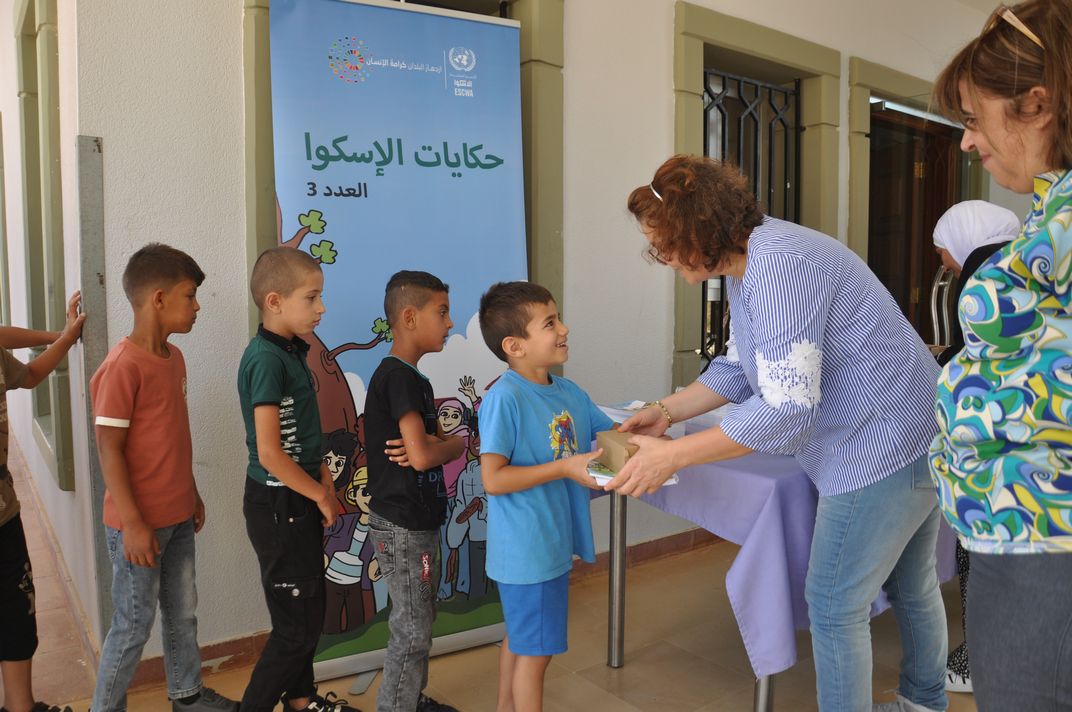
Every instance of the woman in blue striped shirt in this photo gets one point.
(824, 367)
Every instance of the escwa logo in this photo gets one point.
(462, 59)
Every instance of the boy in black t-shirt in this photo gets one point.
(408, 495)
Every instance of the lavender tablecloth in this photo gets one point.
(766, 504)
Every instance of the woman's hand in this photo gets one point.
(649, 467)
(648, 421)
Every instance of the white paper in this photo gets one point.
(602, 475)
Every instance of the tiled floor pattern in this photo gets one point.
(61, 670)
(683, 651)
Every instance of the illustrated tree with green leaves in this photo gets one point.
(335, 401)
(380, 328)
(311, 222)
(324, 252)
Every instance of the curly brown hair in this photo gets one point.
(1004, 62)
(698, 210)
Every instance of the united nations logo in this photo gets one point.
(462, 59)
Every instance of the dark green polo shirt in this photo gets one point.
(273, 371)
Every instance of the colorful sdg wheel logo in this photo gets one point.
(348, 58)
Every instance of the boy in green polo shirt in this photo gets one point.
(290, 496)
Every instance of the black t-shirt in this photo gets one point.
(407, 497)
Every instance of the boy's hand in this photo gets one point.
(328, 507)
(73, 328)
(199, 514)
(458, 445)
(648, 421)
(396, 452)
(577, 468)
(140, 546)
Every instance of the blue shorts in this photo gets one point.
(536, 615)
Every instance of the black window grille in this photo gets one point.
(755, 125)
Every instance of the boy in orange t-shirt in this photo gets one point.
(151, 508)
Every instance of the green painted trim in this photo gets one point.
(37, 50)
(543, 144)
(262, 228)
(978, 180)
(42, 434)
(820, 68)
(542, 22)
(819, 164)
(726, 31)
(5, 279)
(906, 88)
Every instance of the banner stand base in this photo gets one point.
(363, 682)
(372, 661)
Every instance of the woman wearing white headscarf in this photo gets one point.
(966, 236)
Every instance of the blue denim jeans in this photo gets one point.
(880, 536)
(135, 592)
(410, 565)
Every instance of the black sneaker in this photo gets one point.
(208, 701)
(328, 703)
(42, 707)
(427, 704)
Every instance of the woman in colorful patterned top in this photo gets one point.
(965, 237)
(1002, 460)
(823, 366)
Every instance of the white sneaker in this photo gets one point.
(901, 704)
(955, 682)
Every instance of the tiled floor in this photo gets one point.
(61, 670)
(683, 651)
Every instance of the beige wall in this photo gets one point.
(162, 84)
(619, 125)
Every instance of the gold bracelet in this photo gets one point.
(663, 408)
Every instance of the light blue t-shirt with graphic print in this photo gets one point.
(533, 534)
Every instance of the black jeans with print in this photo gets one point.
(285, 530)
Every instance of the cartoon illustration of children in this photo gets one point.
(349, 601)
(467, 525)
(456, 418)
(341, 450)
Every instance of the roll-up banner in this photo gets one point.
(397, 134)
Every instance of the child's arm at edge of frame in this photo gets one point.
(500, 477)
(140, 546)
(40, 367)
(15, 337)
(272, 458)
(423, 450)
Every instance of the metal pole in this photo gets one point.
(764, 700)
(616, 620)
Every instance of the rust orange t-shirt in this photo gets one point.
(146, 394)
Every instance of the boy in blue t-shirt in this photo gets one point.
(535, 430)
